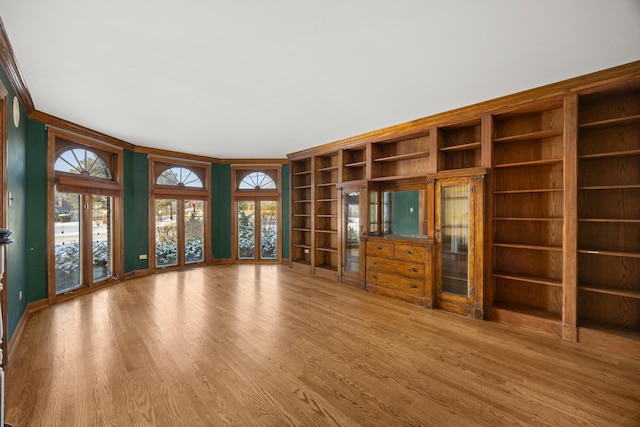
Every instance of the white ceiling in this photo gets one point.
(260, 79)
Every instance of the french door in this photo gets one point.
(257, 223)
(179, 232)
(83, 235)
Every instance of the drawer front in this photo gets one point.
(379, 249)
(413, 270)
(410, 252)
(396, 283)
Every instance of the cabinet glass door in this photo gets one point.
(454, 250)
(352, 235)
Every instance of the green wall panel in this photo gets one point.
(36, 214)
(285, 211)
(16, 264)
(220, 211)
(136, 210)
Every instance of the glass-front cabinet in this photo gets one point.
(354, 220)
(458, 236)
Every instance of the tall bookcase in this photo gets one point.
(326, 168)
(301, 212)
(528, 216)
(609, 212)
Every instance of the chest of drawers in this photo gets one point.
(400, 267)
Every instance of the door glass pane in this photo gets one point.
(193, 231)
(352, 247)
(166, 232)
(246, 230)
(101, 237)
(455, 239)
(67, 241)
(268, 229)
(373, 212)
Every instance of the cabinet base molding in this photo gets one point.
(548, 325)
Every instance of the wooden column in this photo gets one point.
(570, 223)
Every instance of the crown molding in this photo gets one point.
(11, 69)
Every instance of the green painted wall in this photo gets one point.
(220, 211)
(285, 211)
(36, 214)
(405, 221)
(16, 264)
(136, 210)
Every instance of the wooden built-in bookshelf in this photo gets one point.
(609, 211)
(558, 242)
(528, 213)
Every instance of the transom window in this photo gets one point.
(257, 181)
(81, 161)
(180, 177)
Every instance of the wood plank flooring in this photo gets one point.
(264, 345)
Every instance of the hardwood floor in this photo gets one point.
(264, 345)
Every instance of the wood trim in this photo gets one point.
(11, 69)
(4, 301)
(570, 223)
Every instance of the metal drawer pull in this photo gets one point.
(413, 270)
(408, 252)
(375, 276)
(414, 286)
(374, 262)
(379, 248)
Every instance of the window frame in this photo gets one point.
(58, 141)
(159, 164)
(238, 172)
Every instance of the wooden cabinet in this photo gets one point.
(353, 225)
(400, 267)
(459, 238)
(301, 212)
(609, 213)
(552, 245)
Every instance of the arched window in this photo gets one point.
(257, 181)
(85, 213)
(179, 211)
(81, 161)
(180, 177)
(257, 211)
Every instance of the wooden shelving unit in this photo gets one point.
(528, 216)
(354, 164)
(554, 205)
(459, 146)
(609, 212)
(326, 170)
(301, 212)
(400, 158)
